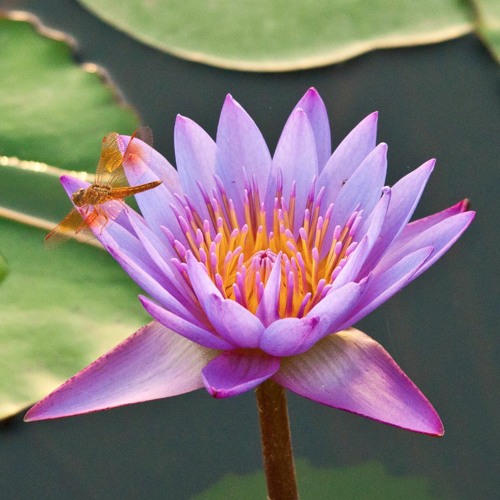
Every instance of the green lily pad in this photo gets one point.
(489, 24)
(281, 36)
(369, 481)
(4, 268)
(53, 110)
(59, 308)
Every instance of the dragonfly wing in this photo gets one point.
(108, 212)
(110, 170)
(110, 167)
(72, 224)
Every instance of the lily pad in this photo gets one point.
(281, 36)
(4, 268)
(488, 12)
(60, 308)
(53, 110)
(369, 481)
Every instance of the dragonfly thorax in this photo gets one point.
(93, 195)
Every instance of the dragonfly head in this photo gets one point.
(78, 197)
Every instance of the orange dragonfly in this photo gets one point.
(110, 185)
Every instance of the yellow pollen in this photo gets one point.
(239, 256)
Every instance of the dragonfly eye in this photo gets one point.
(77, 197)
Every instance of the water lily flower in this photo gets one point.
(256, 267)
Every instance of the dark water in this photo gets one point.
(436, 101)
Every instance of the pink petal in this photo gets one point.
(267, 310)
(190, 330)
(155, 203)
(236, 324)
(150, 281)
(202, 285)
(233, 322)
(417, 227)
(162, 256)
(286, 336)
(352, 372)
(363, 189)
(240, 146)
(195, 153)
(441, 237)
(354, 262)
(405, 196)
(371, 228)
(235, 372)
(157, 164)
(296, 158)
(383, 285)
(314, 107)
(292, 336)
(348, 157)
(151, 364)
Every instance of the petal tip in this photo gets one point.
(464, 205)
(312, 95)
(373, 117)
(229, 100)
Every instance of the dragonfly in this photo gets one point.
(103, 201)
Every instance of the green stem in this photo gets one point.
(276, 442)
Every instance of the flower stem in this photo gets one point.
(276, 442)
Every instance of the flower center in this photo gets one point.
(239, 252)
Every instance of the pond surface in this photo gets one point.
(436, 101)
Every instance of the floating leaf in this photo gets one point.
(368, 481)
(53, 110)
(489, 24)
(59, 309)
(4, 268)
(281, 36)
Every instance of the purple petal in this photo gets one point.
(233, 322)
(286, 336)
(419, 226)
(404, 199)
(354, 262)
(155, 203)
(150, 281)
(202, 285)
(240, 145)
(338, 305)
(348, 157)
(230, 320)
(314, 107)
(383, 285)
(191, 331)
(195, 153)
(235, 372)
(72, 184)
(151, 364)
(292, 336)
(297, 160)
(162, 256)
(156, 163)
(363, 189)
(371, 230)
(441, 237)
(267, 310)
(352, 372)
